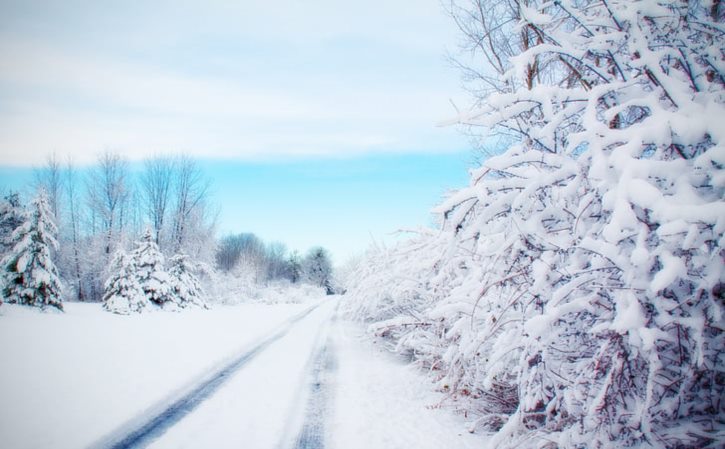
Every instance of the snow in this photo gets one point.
(79, 375)
(383, 402)
(252, 410)
(86, 374)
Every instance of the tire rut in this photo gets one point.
(312, 434)
(151, 425)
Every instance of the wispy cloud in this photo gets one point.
(249, 80)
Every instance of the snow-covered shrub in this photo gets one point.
(575, 290)
(185, 287)
(29, 275)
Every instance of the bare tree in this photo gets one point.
(107, 196)
(156, 184)
(50, 178)
(191, 192)
(73, 228)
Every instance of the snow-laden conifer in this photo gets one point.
(138, 279)
(573, 297)
(151, 272)
(123, 293)
(185, 287)
(12, 215)
(29, 275)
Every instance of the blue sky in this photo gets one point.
(318, 106)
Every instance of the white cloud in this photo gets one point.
(72, 97)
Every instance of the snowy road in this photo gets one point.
(151, 425)
(302, 377)
(257, 406)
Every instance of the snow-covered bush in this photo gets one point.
(574, 295)
(29, 275)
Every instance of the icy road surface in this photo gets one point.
(248, 376)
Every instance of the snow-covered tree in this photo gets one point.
(150, 271)
(11, 216)
(185, 287)
(573, 297)
(123, 293)
(29, 275)
(139, 279)
(294, 267)
(317, 268)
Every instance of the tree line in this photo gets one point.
(102, 208)
(91, 216)
(245, 252)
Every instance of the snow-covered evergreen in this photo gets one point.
(123, 293)
(573, 297)
(12, 215)
(140, 281)
(150, 272)
(185, 287)
(29, 275)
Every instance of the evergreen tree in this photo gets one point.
(185, 287)
(11, 216)
(150, 272)
(30, 276)
(139, 280)
(123, 294)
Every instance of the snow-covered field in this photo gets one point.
(70, 380)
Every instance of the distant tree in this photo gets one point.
(228, 252)
(185, 287)
(294, 267)
(245, 248)
(317, 268)
(30, 276)
(276, 261)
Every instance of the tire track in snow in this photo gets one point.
(312, 433)
(141, 431)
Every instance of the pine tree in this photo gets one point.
(185, 287)
(150, 272)
(30, 276)
(123, 294)
(139, 280)
(12, 215)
